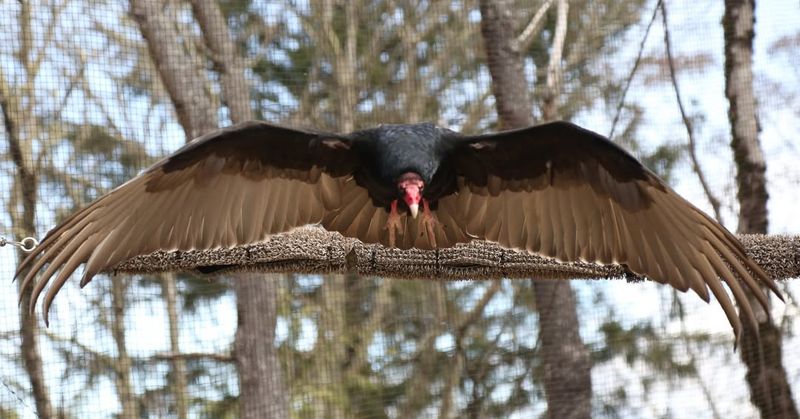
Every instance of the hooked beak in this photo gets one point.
(414, 208)
(411, 184)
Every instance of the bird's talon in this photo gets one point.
(393, 224)
(429, 221)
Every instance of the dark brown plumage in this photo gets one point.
(554, 189)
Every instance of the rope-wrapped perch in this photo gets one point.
(312, 250)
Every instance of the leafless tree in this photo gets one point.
(766, 377)
(565, 359)
(260, 375)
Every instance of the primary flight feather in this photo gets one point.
(554, 189)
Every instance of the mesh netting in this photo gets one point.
(94, 92)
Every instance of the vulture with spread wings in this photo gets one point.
(555, 189)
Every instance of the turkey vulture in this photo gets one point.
(554, 189)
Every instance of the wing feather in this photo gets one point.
(232, 187)
(584, 198)
(567, 220)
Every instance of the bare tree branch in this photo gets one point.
(635, 67)
(457, 364)
(373, 324)
(475, 112)
(554, 66)
(712, 199)
(194, 356)
(423, 373)
(526, 37)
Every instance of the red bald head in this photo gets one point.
(411, 184)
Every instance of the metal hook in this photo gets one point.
(26, 245)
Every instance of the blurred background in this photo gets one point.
(93, 91)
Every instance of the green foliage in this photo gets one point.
(197, 289)
(585, 75)
(663, 159)
(227, 408)
(8, 413)
(643, 347)
(394, 73)
(92, 150)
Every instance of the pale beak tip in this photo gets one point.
(414, 208)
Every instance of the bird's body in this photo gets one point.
(392, 150)
(554, 189)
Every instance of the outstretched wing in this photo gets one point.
(565, 192)
(231, 187)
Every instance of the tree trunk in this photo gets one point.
(567, 368)
(24, 226)
(170, 294)
(181, 73)
(766, 377)
(262, 392)
(19, 116)
(229, 65)
(330, 352)
(512, 98)
(122, 363)
(565, 359)
(333, 337)
(345, 61)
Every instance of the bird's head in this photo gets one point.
(410, 186)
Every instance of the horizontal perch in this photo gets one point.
(313, 250)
